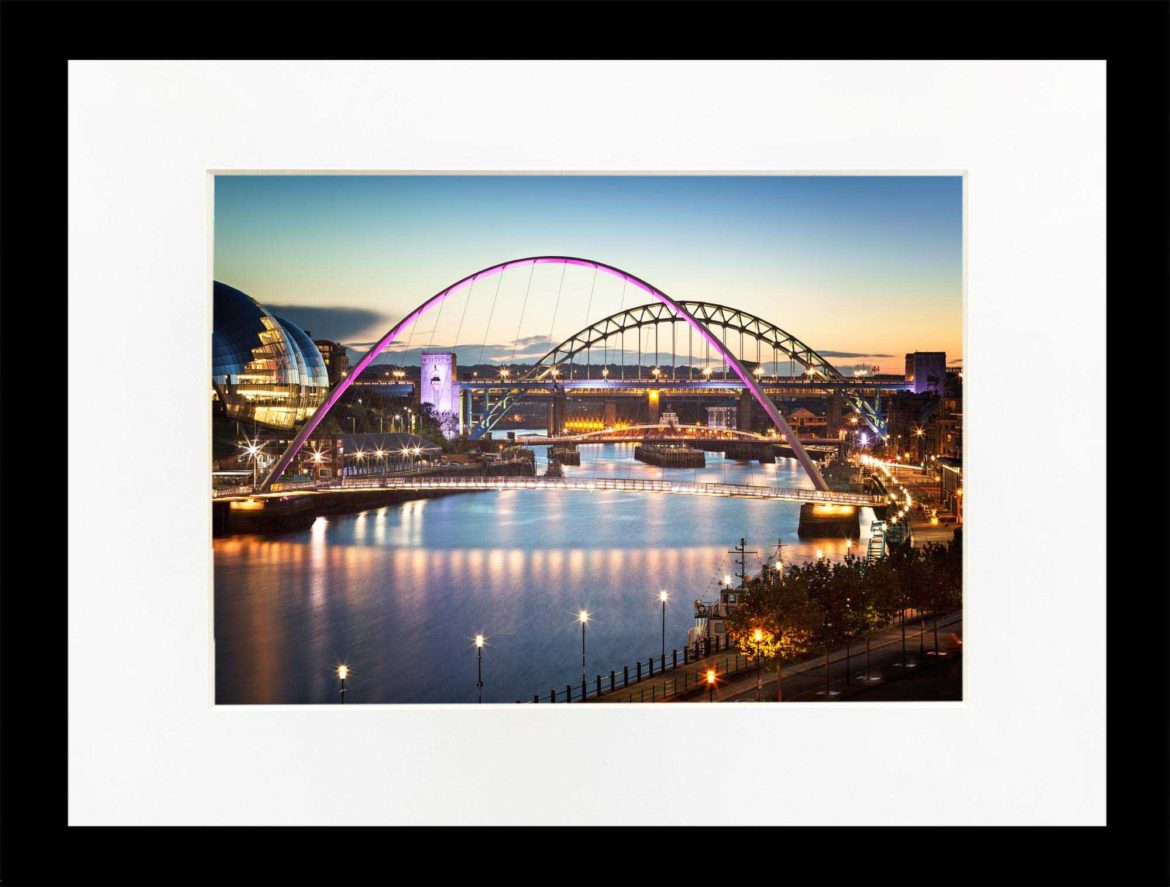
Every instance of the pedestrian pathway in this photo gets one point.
(736, 673)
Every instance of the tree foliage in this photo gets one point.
(821, 603)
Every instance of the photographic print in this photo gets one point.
(547, 439)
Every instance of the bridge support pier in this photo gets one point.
(609, 416)
(836, 405)
(829, 521)
(466, 419)
(743, 414)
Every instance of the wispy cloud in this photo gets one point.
(851, 354)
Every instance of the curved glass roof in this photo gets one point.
(263, 367)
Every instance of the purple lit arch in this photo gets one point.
(766, 402)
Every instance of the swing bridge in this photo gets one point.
(740, 344)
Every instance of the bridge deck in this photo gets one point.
(633, 485)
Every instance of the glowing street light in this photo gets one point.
(342, 674)
(664, 597)
(710, 685)
(479, 665)
(758, 637)
(583, 617)
(504, 373)
(253, 449)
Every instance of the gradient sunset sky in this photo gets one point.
(862, 268)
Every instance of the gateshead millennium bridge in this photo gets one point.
(569, 366)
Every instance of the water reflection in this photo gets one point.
(398, 593)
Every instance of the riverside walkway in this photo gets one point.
(803, 680)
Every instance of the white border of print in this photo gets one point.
(1027, 746)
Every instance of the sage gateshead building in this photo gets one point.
(264, 369)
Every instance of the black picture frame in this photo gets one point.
(37, 846)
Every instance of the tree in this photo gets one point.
(828, 591)
(779, 606)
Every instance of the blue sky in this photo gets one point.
(850, 264)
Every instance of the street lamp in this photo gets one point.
(605, 372)
(664, 597)
(758, 636)
(710, 685)
(342, 673)
(583, 617)
(479, 665)
(252, 449)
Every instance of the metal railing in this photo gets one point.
(670, 677)
(657, 677)
(522, 482)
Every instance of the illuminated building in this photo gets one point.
(336, 359)
(264, 369)
(806, 423)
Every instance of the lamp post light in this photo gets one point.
(664, 597)
(583, 617)
(342, 673)
(479, 665)
(758, 637)
(710, 685)
(253, 449)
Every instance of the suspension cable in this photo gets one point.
(556, 307)
(491, 313)
(588, 309)
(523, 308)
